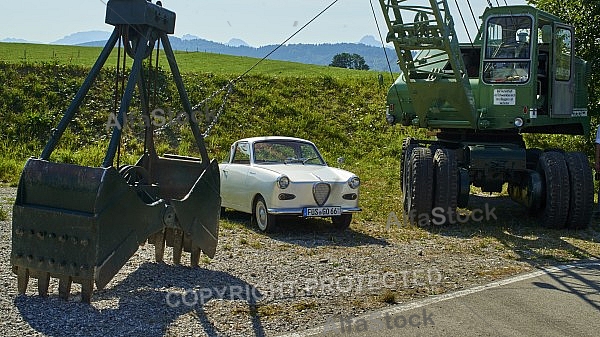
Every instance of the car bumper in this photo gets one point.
(299, 211)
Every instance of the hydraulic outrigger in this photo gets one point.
(81, 224)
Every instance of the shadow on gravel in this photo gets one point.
(521, 233)
(149, 301)
(308, 233)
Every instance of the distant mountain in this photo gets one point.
(83, 37)
(320, 54)
(370, 40)
(13, 40)
(190, 37)
(237, 43)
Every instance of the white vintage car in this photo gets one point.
(272, 176)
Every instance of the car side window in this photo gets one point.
(242, 154)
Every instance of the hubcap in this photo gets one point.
(261, 215)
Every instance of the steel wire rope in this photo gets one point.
(464, 23)
(473, 14)
(231, 83)
(387, 59)
(229, 86)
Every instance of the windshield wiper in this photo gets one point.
(305, 160)
(292, 160)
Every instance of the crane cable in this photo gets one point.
(464, 22)
(228, 88)
(473, 14)
(386, 54)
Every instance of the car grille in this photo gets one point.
(321, 193)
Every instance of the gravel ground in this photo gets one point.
(257, 285)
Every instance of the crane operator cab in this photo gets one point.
(528, 62)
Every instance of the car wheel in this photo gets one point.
(342, 222)
(263, 219)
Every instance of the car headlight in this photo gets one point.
(354, 182)
(283, 182)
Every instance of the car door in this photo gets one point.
(234, 176)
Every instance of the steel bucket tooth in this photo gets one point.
(199, 211)
(194, 193)
(78, 224)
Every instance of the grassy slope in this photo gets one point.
(340, 110)
(188, 61)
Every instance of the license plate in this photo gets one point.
(322, 211)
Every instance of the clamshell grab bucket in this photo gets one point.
(77, 223)
(194, 194)
(82, 224)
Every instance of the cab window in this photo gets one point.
(508, 49)
(563, 43)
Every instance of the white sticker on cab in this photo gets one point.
(505, 96)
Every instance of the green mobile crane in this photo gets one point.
(519, 75)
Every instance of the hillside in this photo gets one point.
(319, 54)
(341, 110)
(343, 115)
(17, 53)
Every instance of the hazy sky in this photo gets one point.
(258, 22)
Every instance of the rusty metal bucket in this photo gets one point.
(81, 224)
(196, 203)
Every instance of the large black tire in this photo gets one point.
(265, 221)
(408, 144)
(533, 157)
(581, 181)
(419, 189)
(555, 204)
(445, 179)
(342, 222)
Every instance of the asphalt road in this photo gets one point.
(557, 301)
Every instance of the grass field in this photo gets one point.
(197, 62)
(341, 110)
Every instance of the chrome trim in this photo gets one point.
(298, 211)
(321, 192)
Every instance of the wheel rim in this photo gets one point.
(261, 215)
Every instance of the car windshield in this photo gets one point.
(286, 152)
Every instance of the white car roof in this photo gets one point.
(265, 138)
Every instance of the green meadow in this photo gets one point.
(341, 110)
